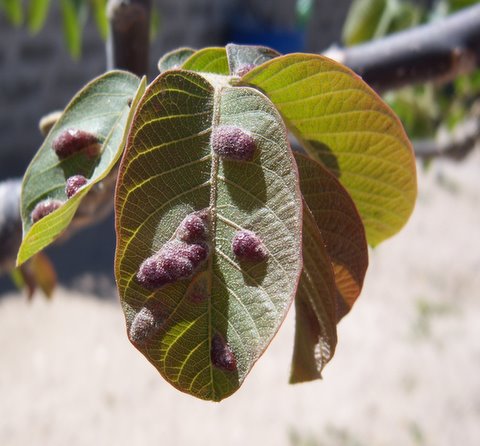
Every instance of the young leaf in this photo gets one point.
(204, 325)
(37, 13)
(242, 58)
(341, 228)
(100, 109)
(315, 315)
(174, 59)
(344, 124)
(209, 60)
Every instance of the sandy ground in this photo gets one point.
(406, 371)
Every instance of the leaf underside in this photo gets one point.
(168, 171)
(315, 313)
(342, 123)
(341, 226)
(174, 59)
(100, 108)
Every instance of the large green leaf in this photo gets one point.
(208, 60)
(315, 313)
(341, 228)
(102, 109)
(345, 125)
(170, 170)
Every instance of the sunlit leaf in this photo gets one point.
(174, 59)
(37, 13)
(101, 109)
(315, 314)
(341, 228)
(204, 332)
(208, 60)
(344, 124)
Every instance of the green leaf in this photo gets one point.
(37, 13)
(100, 14)
(174, 59)
(72, 31)
(44, 273)
(341, 227)
(170, 170)
(344, 124)
(242, 58)
(13, 11)
(100, 108)
(362, 21)
(315, 315)
(208, 60)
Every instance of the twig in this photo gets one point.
(438, 52)
(129, 37)
(456, 145)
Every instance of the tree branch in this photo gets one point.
(438, 52)
(129, 38)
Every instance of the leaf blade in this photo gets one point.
(46, 175)
(341, 227)
(208, 60)
(315, 313)
(343, 123)
(188, 177)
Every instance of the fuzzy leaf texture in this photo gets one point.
(207, 166)
(101, 109)
(342, 123)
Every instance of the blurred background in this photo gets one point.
(408, 360)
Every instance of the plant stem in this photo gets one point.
(129, 37)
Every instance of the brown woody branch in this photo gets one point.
(129, 38)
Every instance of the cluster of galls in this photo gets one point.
(66, 144)
(179, 258)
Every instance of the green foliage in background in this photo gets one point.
(427, 108)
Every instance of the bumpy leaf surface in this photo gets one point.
(341, 226)
(101, 109)
(245, 57)
(204, 332)
(342, 123)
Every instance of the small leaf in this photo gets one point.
(344, 124)
(101, 109)
(37, 13)
(208, 60)
(13, 11)
(72, 31)
(204, 325)
(315, 326)
(174, 59)
(341, 228)
(43, 273)
(242, 58)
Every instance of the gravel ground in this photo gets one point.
(406, 371)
